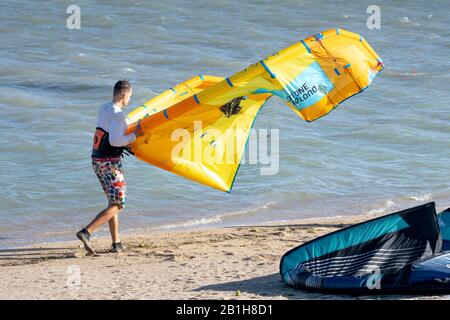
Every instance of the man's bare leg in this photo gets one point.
(103, 217)
(109, 215)
(114, 228)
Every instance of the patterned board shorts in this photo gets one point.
(110, 174)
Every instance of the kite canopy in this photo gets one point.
(444, 225)
(405, 251)
(199, 129)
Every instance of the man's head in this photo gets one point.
(122, 93)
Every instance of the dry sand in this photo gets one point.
(221, 263)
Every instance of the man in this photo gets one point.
(109, 142)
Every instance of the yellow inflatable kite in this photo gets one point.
(199, 128)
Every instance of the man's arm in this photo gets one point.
(117, 137)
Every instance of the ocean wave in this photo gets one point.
(406, 20)
(422, 197)
(217, 218)
(387, 205)
(434, 36)
(400, 203)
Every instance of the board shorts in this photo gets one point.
(110, 175)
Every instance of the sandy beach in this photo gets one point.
(220, 263)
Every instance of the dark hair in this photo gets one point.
(121, 87)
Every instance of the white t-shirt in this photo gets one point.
(112, 119)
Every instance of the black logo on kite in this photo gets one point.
(232, 107)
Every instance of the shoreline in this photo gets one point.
(103, 232)
(239, 262)
(187, 225)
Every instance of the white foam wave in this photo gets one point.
(434, 36)
(423, 197)
(217, 218)
(405, 20)
(388, 204)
